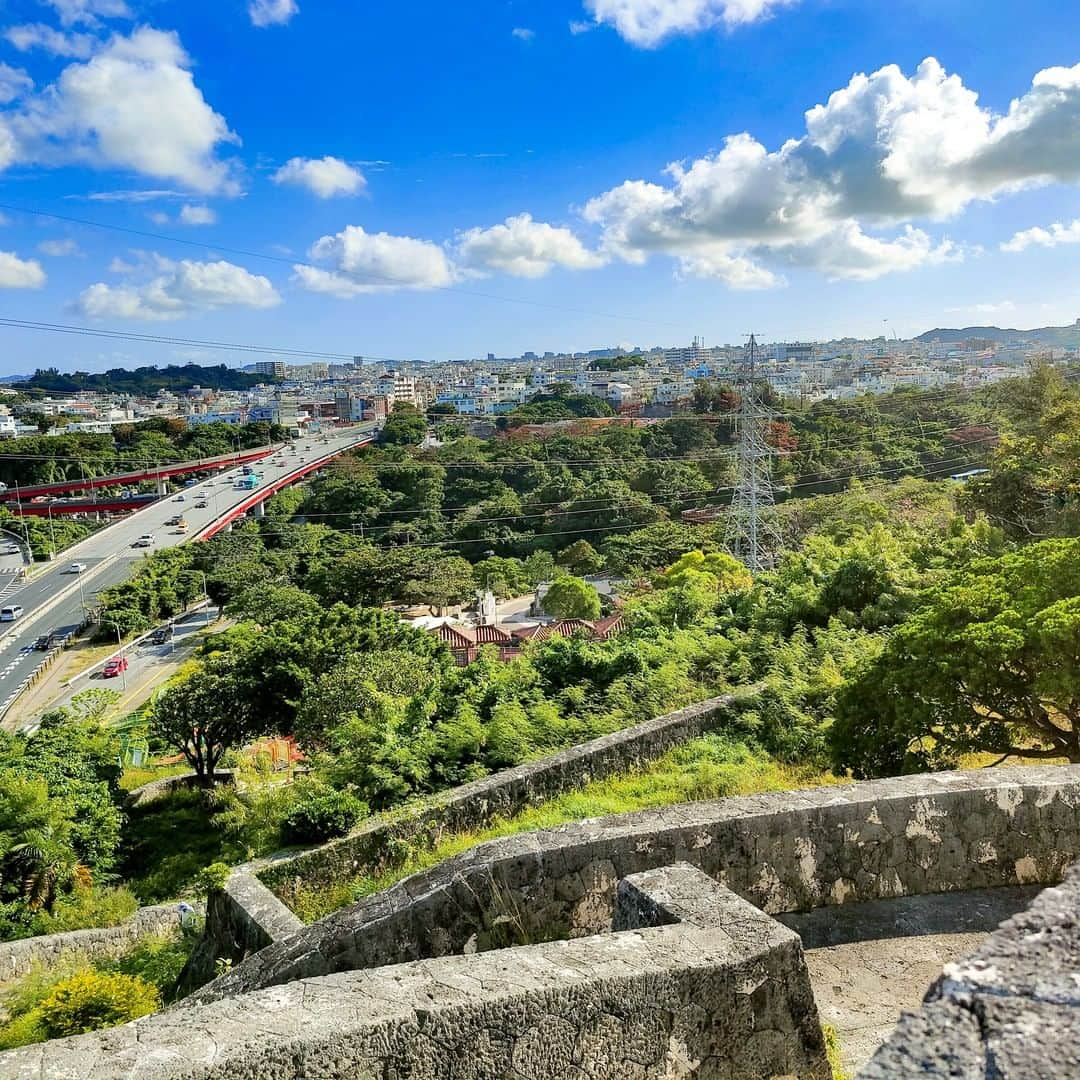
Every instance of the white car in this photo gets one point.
(146, 540)
(77, 568)
(10, 614)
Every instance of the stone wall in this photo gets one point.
(719, 992)
(18, 957)
(159, 789)
(501, 794)
(783, 852)
(241, 919)
(1010, 1009)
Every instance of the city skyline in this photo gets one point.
(529, 178)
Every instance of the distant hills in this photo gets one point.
(1060, 336)
(142, 380)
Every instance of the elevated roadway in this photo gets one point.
(57, 599)
(155, 473)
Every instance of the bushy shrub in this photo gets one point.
(22, 1031)
(95, 999)
(85, 908)
(213, 877)
(319, 813)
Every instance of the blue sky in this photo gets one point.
(435, 181)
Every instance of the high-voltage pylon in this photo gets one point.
(753, 533)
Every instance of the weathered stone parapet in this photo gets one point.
(18, 957)
(1011, 1009)
(501, 794)
(651, 1004)
(159, 789)
(783, 852)
(242, 918)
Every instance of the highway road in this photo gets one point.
(56, 599)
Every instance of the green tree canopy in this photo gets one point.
(990, 662)
(572, 598)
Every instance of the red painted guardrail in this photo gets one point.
(280, 484)
(153, 472)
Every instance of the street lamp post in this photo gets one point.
(123, 669)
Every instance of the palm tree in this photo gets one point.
(48, 865)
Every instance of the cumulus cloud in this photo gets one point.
(59, 248)
(324, 177)
(523, 33)
(525, 248)
(51, 40)
(272, 12)
(197, 215)
(89, 11)
(14, 83)
(134, 105)
(1058, 233)
(16, 273)
(178, 290)
(884, 152)
(647, 23)
(361, 262)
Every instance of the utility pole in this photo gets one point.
(753, 533)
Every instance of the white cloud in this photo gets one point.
(178, 290)
(361, 262)
(14, 83)
(137, 196)
(580, 26)
(1004, 307)
(882, 153)
(525, 248)
(59, 248)
(1039, 237)
(89, 11)
(134, 105)
(647, 23)
(16, 273)
(197, 215)
(272, 12)
(40, 36)
(324, 177)
(523, 33)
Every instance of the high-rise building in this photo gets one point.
(274, 368)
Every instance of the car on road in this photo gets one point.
(202, 504)
(162, 635)
(43, 643)
(146, 540)
(10, 614)
(180, 498)
(12, 549)
(114, 667)
(77, 568)
(60, 637)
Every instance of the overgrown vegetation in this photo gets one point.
(712, 767)
(74, 995)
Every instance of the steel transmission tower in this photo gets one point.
(753, 533)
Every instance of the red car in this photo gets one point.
(114, 667)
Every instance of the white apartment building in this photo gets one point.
(398, 387)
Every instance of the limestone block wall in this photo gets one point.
(1010, 1009)
(18, 957)
(783, 852)
(723, 995)
(504, 793)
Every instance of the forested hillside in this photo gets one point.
(913, 622)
